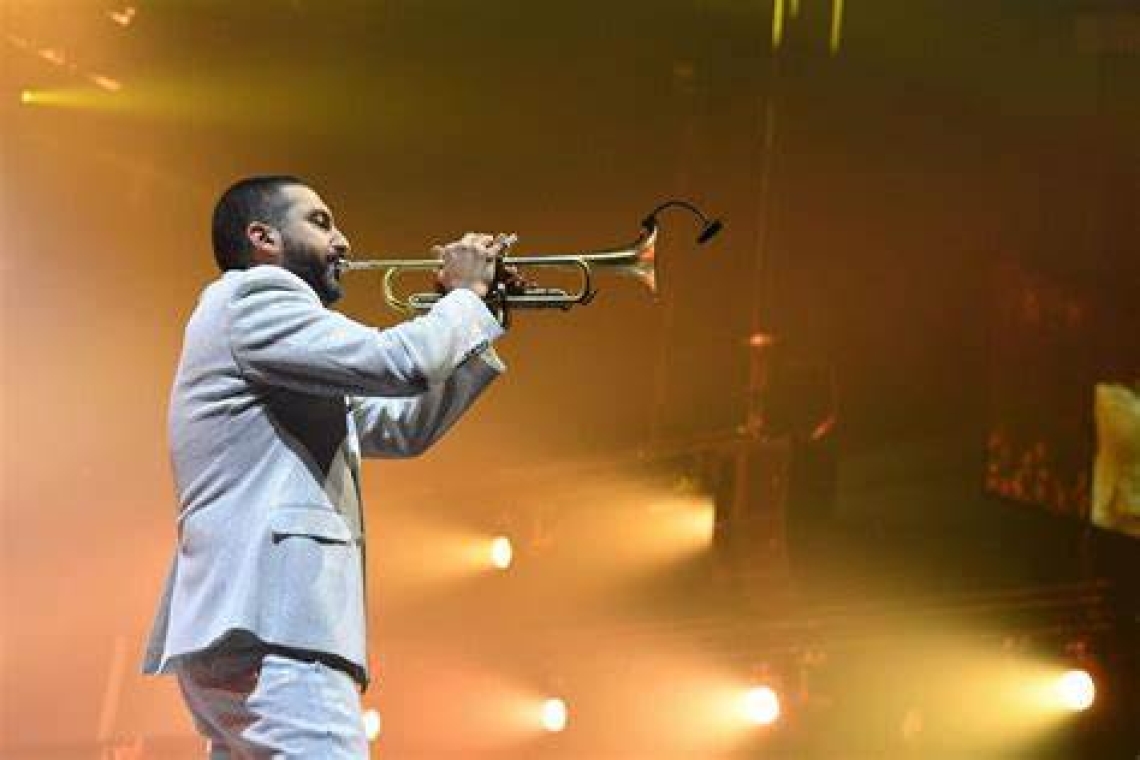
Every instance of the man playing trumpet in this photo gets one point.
(275, 401)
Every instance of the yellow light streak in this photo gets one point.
(777, 23)
(836, 25)
(79, 98)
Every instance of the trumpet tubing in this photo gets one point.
(636, 260)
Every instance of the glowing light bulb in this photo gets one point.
(761, 705)
(1075, 690)
(554, 715)
(501, 552)
(371, 724)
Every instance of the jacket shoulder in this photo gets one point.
(268, 277)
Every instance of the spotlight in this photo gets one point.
(761, 705)
(106, 83)
(54, 56)
(761, 340)
(123, 17)
(554, 715)
(1075, 690)
(501, 552)
(371, 724)
(27, 97)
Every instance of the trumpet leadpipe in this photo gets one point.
(364, 265)
(501, 244)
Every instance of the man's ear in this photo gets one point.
(266, 242)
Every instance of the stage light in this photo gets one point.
(1075, 690)
(501, 552)
(777, 23)
(554, 715)
(761, 340)
(54, 56)
(87, 98)
(106, 83)
(761, 705)
(678, 526)
(836, 36)
(123, 17)
(699, 523)
(372, 724)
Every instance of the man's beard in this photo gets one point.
(320, 272)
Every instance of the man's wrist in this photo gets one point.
(478, 288)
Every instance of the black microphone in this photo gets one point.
(709, 227)
(709, 232)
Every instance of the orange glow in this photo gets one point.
(431, 553)
(760, 340)
(679, 526)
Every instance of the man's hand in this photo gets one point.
(468, 263)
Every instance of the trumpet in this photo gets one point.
(510, 290)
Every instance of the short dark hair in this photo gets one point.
(253, 199)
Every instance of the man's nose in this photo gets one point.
(340, 243)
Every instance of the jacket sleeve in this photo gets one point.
(280, 334)
(405, 427)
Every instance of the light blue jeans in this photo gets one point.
(267, 707)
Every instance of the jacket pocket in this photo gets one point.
(310, 581)
(319, 523)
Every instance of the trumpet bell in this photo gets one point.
(644, 267)
(638, 261)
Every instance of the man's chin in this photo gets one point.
(328, 290)
(330, 293)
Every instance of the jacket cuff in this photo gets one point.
(477, 326)
(492, 360)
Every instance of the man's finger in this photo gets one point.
(503, 241)
(476, 239)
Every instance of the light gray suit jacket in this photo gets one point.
(275, 401)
